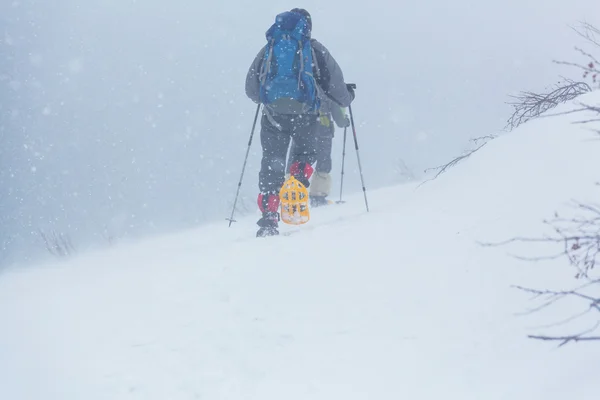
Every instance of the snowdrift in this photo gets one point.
(402, 302)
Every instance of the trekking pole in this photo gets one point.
(343, 158)
(230, 219)
(353, 86)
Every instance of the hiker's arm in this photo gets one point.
(252, 78)
(339, 116)
(336, 89)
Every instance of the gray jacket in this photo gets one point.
(326, 70)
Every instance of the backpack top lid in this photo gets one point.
(291, 23)
(306, 14)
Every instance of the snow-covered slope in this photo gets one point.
(398, 303)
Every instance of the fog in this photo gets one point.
(124, 118)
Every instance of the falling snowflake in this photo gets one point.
(75, 65)
(422, 136)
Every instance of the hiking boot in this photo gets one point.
(268, 225)
(318, 201)
(267, 231)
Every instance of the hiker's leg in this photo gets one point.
(274, 143)
(290, 159)
(303, 129)
(321, 182)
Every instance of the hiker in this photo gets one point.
(320, 185)
(291, 96)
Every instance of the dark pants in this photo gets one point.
(275, 143)
(324, 142)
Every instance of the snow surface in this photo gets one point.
(399, 303)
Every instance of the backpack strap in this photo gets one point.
(269, 114)
(316, 64)
(266, 66)
(301, 69)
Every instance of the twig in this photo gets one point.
(443, 168)
(565, 339)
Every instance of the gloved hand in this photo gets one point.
(344, 123)
(351, 87)
(340, 117)
(352, 94)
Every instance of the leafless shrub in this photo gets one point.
(57, 244)
(590, 68)
(529, 105)
(550, 297)
(579, 238)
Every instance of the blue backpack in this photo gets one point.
(286, 77)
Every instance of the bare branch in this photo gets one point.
(565, 339)
(588, 32)
(483, 138)
(443, 168)
(581, 337)
(554, 296)
(587, 107)
(592, 67)
(579, 237)
(529, 105)
(588, 55)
